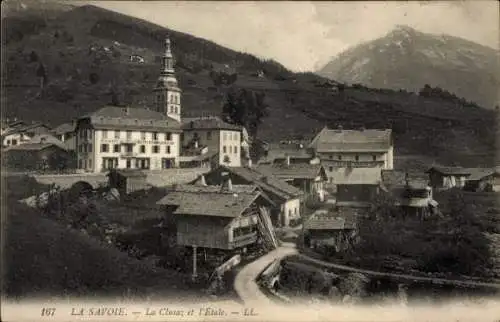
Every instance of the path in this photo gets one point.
(401, 276)
(245, 282)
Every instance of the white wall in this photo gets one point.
(290, 210)
(230, 146)
(138, 139)
(19, 137)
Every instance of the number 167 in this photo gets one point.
(48, 311)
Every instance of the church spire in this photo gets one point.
(167, 91)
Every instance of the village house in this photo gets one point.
(310, 178)
(196, 157)
(66, 133)
(447, 177)
(356, 195)
(41, 156)
(134, 138)
(331, 230)
(481, 179)
(352, 176)
(410, 191)
(224, 140)
(22, 133)
(364, 148)
(9, 124)
(279, 153)
(226, 220)
(286, 197)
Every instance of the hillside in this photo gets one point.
(85, 55)
(409, 59)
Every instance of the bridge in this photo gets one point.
(155, 178)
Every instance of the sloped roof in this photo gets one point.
(395, 178)
(209, 203)
(341, 218)
(24, 128)
(368, 140)
(242, 188)
(208, 123)
(30, 147)
(266, 182)
(356, 176)
(131, 118)
(47, 138)
(292, 171)
(450, 170)
(480, 173)
(282, 151)
(65, 128)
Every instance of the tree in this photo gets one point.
(246, 108)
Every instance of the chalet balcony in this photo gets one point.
(355, 164)
(243, 240)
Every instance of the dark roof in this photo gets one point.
(282, 151)
(209, 203)
(292, 171)
(480, 173)
(208, 123)
(242, 188)
(450, 170)
(341, 218)
(24, 128)
(395, 178)
(31, 147)
(266, 182)
(65, 128)
(110, 117)
(368, 140)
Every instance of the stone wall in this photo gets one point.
(156, 178)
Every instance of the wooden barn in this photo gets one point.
(127, 181)
(36, 157)
(331, 230)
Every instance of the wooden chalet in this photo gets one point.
(310, 178)
(223, 218)
(286, 197)
(331, 230)
(411, 192)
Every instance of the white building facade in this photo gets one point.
(116, 137)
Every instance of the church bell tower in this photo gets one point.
(167, 92)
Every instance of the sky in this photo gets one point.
(304, 36)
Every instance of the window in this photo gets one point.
(168, 136)
(14, 142)
(340, 157)
(224, 149)
(357, 158)
(8, 142)
(235, 150)
(90, 163)
(209, 135)
(143, 135)
(130, 148)
(331, 156)
(104, 134)
(168, 149)
(89, 134)
(80, 164)
(330, 169)
(104, 148)
(117, 134)
(90, 147)
(156, 149)
(129, 135)
(85, 164)
(143, 149)
(374, 157)
(116, 148)
(155, 136)
(128, 164)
